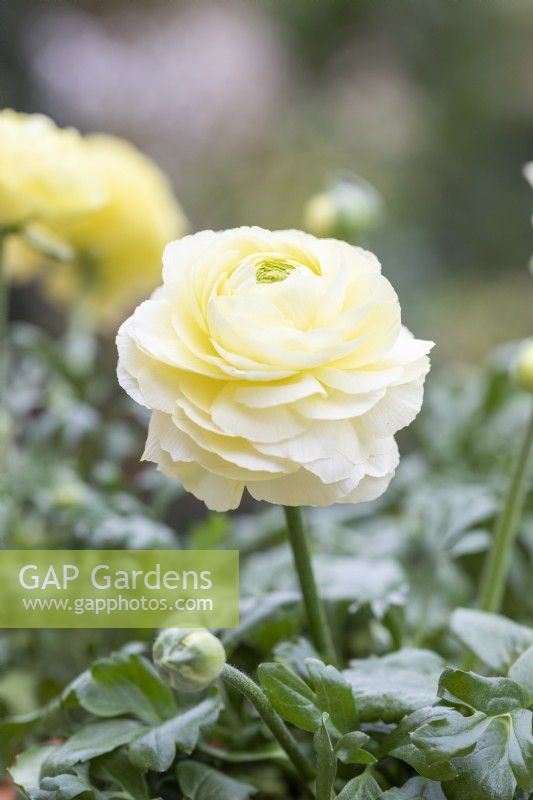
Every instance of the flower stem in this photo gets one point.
(497, 564)
(247, 687)
(315, 610)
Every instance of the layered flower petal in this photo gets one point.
(275, 362)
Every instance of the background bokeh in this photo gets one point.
(248, 104)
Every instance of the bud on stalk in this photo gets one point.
(347, 209)
(189, 659)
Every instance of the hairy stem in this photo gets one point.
(314, 607)
(247, 687)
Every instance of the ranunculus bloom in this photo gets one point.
(117, 248)
(276, 362)
(44, 172)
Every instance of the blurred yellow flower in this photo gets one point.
(44, 172)
(118, 247)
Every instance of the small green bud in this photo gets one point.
(523, 372)
(189, 659)
(348, 208)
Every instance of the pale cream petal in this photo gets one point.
(339, 406)
(276, 394)
(293, 389)
(321, 438)
(233, 449)
(358, 381)
(369, 489)
(258, 425)
(398, 409)
(218, 493)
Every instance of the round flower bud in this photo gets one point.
(346, 210)
(524, 368)
(189, 659)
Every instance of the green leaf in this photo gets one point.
(303, 705)
(522, 673)
(446, 733)
(292, 698)
(486, 773)
(93, 740)
(13, 731)
(492, 696)
(400, 744)
(326, 762)
(350, 749)
(116, 768)
(66, 787)
(125, 684)
(259, 613)
(491, 754)
(390, 687)
(26, 772)
(364, 787)
(156, 748)
(416, 789)
(200, 782)
(333, 695)
(495, 640)
(342, 578)
(294, 653)
(520, 748)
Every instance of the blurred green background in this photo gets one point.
(248, 104)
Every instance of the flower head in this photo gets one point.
(189, 659)
(117, 249)
(44, 172)
(276, 362)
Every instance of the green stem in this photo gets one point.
(247, 687)
(497, 564)
(314, 607)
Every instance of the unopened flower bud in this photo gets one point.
(189, 659)
(346, 210)
(524, 368)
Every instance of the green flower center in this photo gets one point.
(273, 270)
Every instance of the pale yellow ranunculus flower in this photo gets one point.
(117, 248)
(44, 172)
(273, 361)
